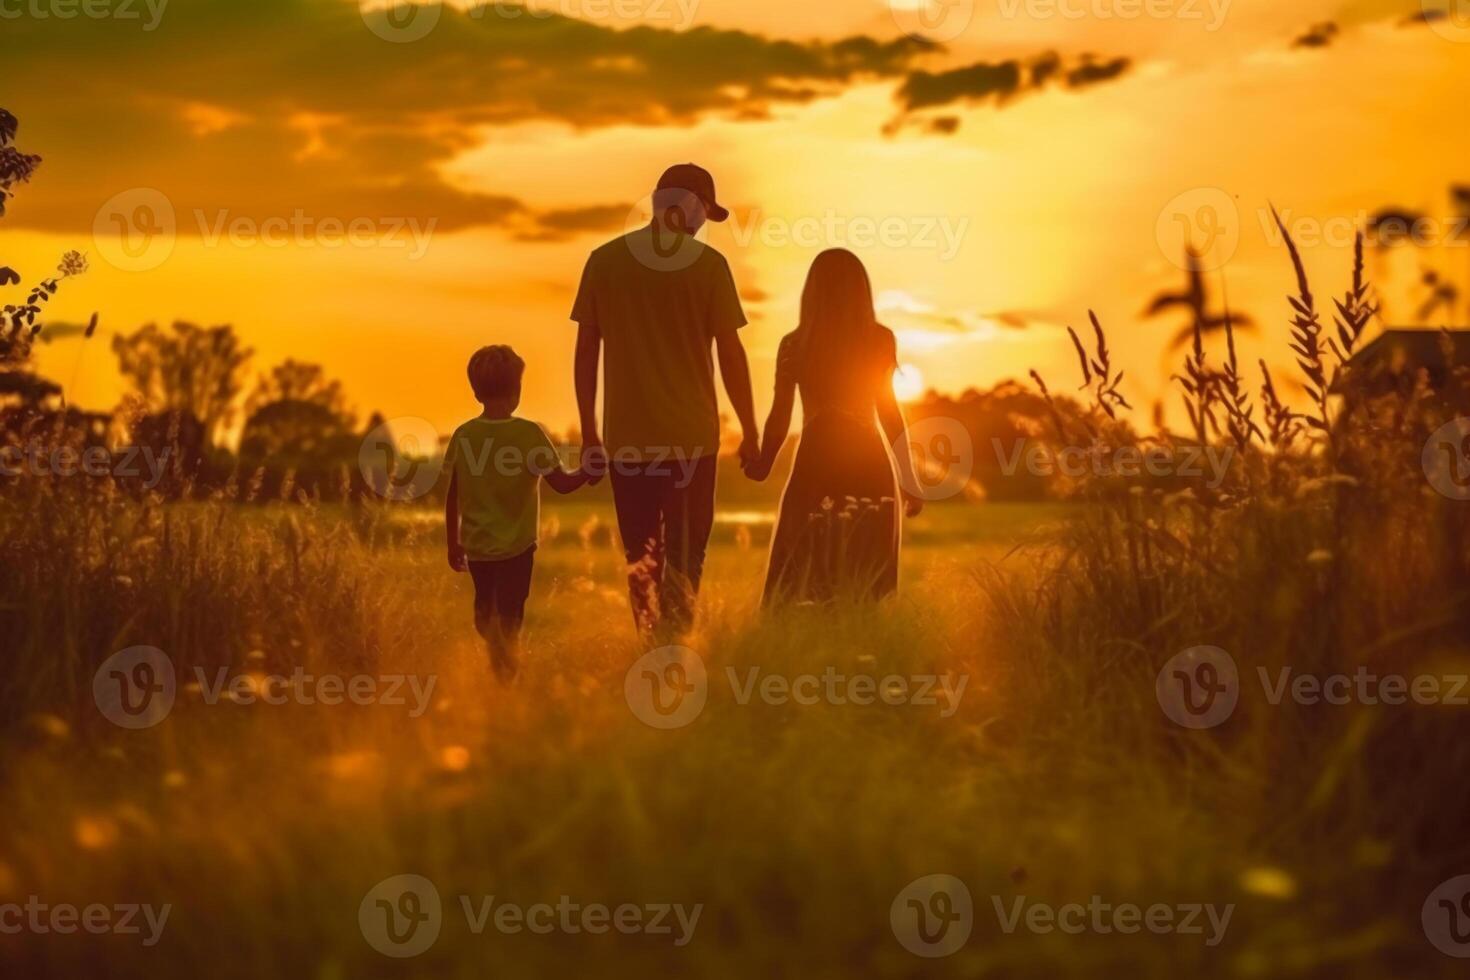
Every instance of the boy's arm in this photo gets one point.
(556, 476)
(451, 524)
(563, 481)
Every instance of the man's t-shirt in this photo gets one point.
(498, 465)
(658, 314)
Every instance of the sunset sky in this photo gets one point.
(997, 186)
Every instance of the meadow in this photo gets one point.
(793, 826)
(1005, 722)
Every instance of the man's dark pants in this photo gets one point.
(665, 513)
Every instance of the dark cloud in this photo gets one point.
(1093, 72)
(267, 107)
(273, 106)
(559, 225)
(1318, 36)
(996, 83)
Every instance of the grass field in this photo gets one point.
(794, 828)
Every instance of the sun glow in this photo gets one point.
(908, 383)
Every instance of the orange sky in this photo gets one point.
(513, 154)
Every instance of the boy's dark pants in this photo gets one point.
(665, 514)
(501, 588)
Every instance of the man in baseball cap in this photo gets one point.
(657, 307)
(697, 181)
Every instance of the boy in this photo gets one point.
(496, 463)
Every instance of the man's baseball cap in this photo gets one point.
(697, 181)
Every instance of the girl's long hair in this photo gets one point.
(838, 323)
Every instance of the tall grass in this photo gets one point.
(1058, 778)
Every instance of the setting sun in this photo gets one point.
(908, 383)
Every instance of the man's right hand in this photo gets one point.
(750, 453)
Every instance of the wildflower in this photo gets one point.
(454, 758)
(1268, 882)
(50, 726)
(94, 833)
(72, 264)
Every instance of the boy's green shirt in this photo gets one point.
(498, 465)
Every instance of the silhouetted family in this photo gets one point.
(656, 308)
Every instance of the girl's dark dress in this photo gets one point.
(838, 529)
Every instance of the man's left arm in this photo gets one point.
(726, 317)
(735, 370)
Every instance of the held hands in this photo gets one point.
(750, 457)
(913, 505)
(457, 561)
(594, 459)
